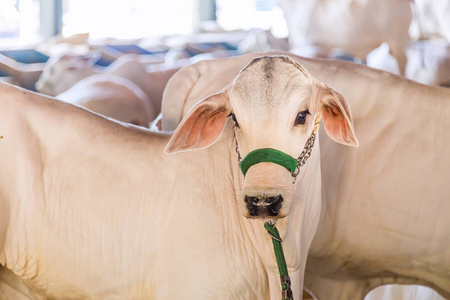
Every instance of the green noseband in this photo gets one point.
(268, 155)
(278, 157)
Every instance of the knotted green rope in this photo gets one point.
(286, 292)
(268, 155)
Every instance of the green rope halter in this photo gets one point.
(286, 292)
(278, 157)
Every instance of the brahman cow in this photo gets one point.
(112, 96)
(62, 73)
(91, 208)
(356, 26)
(383, 219)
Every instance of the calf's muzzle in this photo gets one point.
(263, 206)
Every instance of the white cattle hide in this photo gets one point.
(94, 209)
(62, 73)
(384, 205)
(112, 96)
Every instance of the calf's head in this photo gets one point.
(274, 104)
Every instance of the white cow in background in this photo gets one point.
(94, 209)
(381, 59)
(429, 62)
(384, 205)
(356, 26)
(112, 96)
(431, 20)
(62, 73)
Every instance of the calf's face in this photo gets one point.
(274, 104)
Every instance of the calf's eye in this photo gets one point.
(301, 117)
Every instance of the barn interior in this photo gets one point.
(54, 46)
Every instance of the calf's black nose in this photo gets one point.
(263, 206)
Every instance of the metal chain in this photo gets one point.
(237, 147)
(306, 153)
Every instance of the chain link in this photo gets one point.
(306, 153)
(237, 147)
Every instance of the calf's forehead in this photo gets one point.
(271, 84)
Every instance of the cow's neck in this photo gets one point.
(296, 230)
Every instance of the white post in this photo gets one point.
(51, 17)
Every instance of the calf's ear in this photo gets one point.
(202, 125)
(337, 117)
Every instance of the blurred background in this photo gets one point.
(406, 37)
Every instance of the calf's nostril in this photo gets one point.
(263, 206)
(249, 200)
(275, 199)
